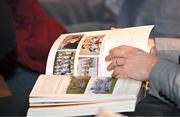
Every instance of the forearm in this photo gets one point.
(165, 81)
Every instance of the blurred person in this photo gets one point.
(7, 29)
(36, 32)
(8, 41)
(125, 12)
(160, 13)
(162, 70)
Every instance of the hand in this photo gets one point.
(107, 113)
(130, 62)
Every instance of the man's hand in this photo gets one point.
(107, 113)
(130, 62)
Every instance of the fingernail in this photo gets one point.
(107, 58)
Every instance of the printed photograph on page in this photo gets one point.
(64, 62)
(78, 85)
(87, 66)
(101, 85)
(70, 42)
(91, 45)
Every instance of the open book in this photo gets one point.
(77, 81)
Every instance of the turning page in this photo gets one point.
(83, 54)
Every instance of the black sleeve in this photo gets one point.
(7, 29)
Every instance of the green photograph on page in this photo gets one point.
(78, 85)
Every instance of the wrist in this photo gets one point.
(152, 46)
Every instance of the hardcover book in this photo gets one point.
(77, 82)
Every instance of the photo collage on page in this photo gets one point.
(88, 49)
(65, 55)
(88, 59)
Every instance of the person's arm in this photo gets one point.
(7, 29)
(165, 81)
(164, 75)
(168, 48)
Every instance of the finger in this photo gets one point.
(112, 65)
(116, 62)
(120, 61)
(116, 52)
(108, 58)
(121, 76)
(118, 72)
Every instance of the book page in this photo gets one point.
(135, 37)
(61, 88)
(62, 54)
(83, 54)
(58, 85)
(50, 85)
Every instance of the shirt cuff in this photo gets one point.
(168, 48)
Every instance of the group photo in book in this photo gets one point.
(77, 77)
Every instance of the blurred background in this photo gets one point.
(38, 23)
(86, 15)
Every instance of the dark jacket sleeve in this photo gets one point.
(7, 29)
